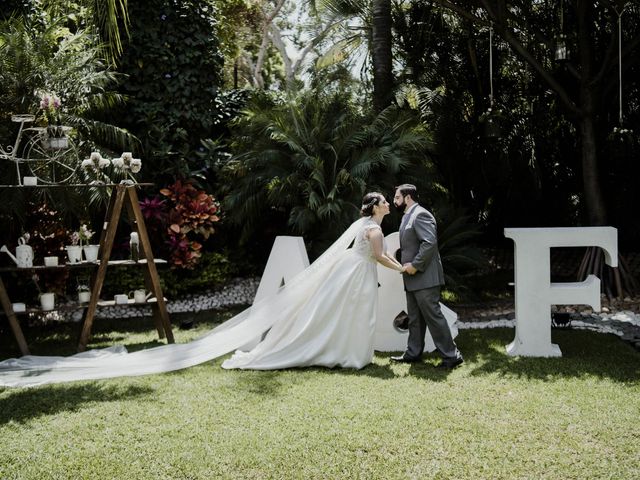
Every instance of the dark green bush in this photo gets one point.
(212, 271)
(173, 66)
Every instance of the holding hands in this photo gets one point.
(408, 268)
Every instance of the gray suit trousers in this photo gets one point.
(424, 312)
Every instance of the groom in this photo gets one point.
(423, 278)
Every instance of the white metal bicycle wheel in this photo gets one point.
(51, 162)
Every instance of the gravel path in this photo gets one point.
(618, 317)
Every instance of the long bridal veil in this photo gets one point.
(111, 362)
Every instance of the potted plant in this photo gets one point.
(74, 251)
(84, 292)
(56, 137)
(90, 251)
(47, 299)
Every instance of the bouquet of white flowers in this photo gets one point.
(127, 162)
(95, 162)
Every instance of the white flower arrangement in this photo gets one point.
(94, 166)
(127, 162)
(136, 165)
(118, 163)
(95, 162)
(122, 167)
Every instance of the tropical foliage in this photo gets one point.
(304, 163)
(173, 73)
(40, 55)
(558, 108)
(108, 19)
(457, 234)
(238, 29)
(310, 142)
(180, 221)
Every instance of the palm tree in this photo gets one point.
(368, 23)
(109, 17)
(310, 159)
(381, 55)
(350, 30)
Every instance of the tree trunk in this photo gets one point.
(381, 54)
(594, 201)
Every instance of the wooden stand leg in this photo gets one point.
(147, 279)
(114, 210)
(157, 318)
(153, 277)
(13, 321)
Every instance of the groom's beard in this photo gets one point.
(401, 207)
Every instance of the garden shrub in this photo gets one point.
(173, 66)
(212, 271)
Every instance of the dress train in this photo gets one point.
(339, 335)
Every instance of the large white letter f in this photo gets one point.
(534, 292)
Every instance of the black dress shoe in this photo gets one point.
(403, 359)
(450, 364)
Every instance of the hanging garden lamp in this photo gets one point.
(561, 53)
(620, 134)
(492, 128)
(490, 118)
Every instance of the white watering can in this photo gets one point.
(24, 254)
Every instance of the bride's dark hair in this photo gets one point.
(369, 201)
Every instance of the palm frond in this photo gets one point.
(338, 52)
(109, 16)
(345, 8)
(456, 234)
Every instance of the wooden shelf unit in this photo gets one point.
(123, 196)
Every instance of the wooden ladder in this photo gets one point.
(126, 195)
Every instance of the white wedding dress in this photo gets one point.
(324, 316)
(332, 326)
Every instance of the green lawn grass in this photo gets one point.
(494, 417)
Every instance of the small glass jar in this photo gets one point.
(134, 246)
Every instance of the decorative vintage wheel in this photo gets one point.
(52, 159)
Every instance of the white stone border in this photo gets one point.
(596, 323)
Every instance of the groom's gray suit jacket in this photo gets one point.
(419, 246)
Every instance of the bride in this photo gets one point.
(324, 316)
(334, 325)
